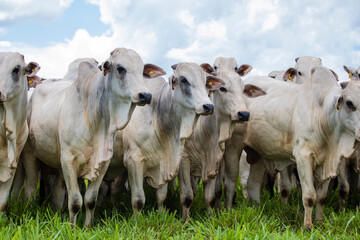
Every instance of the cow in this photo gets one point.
(51, 181)
(350, 168)
(14, 77)
(73, 124)
(279, 75)
(150, 149)
(314, 125)
(301, 72)
(203, 151)
(354, 74)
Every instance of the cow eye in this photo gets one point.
(184, 80)
(121, 70)
(16, 70)
(222, 89)
(299, 73)
(215, 67)
(351, 106)
(235, 69)
(272, 77)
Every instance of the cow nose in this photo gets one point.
(243, 116)
(145, 98)
(208, 108)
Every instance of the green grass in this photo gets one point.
(270, 220)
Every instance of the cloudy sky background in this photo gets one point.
(268, 34)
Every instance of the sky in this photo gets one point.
(267, 34)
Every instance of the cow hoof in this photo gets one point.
(308, 226)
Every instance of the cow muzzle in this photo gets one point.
(207, 109)
(144, 98)
(243, 116)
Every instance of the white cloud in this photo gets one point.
(267, 34)
(5, 44)
(40, 9)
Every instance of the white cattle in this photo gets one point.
(151, 148)
(52, 181)
(314, 125)
(279, 75)
(14, 75)
(354, 74)
(301, 72)
(73, 125)
(351, 165)
(204, 149)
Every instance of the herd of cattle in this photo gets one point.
(121, 122)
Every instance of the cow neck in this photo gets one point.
(120, 108)
(14, 124)
(217, 125)
(333, 137)
(171, 116)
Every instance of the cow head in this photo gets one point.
(188, 82)
(228, 98)
(354, 74)
(229, 63)
(301, 72)
(126, 71)
(14, 75)
(72, 72)
(348, 105)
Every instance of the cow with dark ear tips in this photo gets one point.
(203, 151)
(14, 74)
(100, 105)
(150, 149)
(280, 133)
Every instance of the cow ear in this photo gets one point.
(106, 67)
(213, 82)
(31, 69)
(153, 71)
(338, 100)
(172, 80)
(344, 84)
(289, 74)
(244, 69)
(252, 91)
(174, 67)
(335, 75)
(350, 71)
(207, 68)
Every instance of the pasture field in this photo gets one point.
(271, 220)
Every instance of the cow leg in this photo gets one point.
(285, 184)
(244, 169)
(194, 183)
(31, 167)
(186, 192)
(118, 186)
(59, 193)
(91, 195)
(75, 200)
(103, 192)
(305, 170)
(343, 185)
(209, 195)
(232, 160)
(5, 192)
(136, 179)
(321, 193)
(218, 185)
(161, 194)
(255, 180)
(18, 181)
